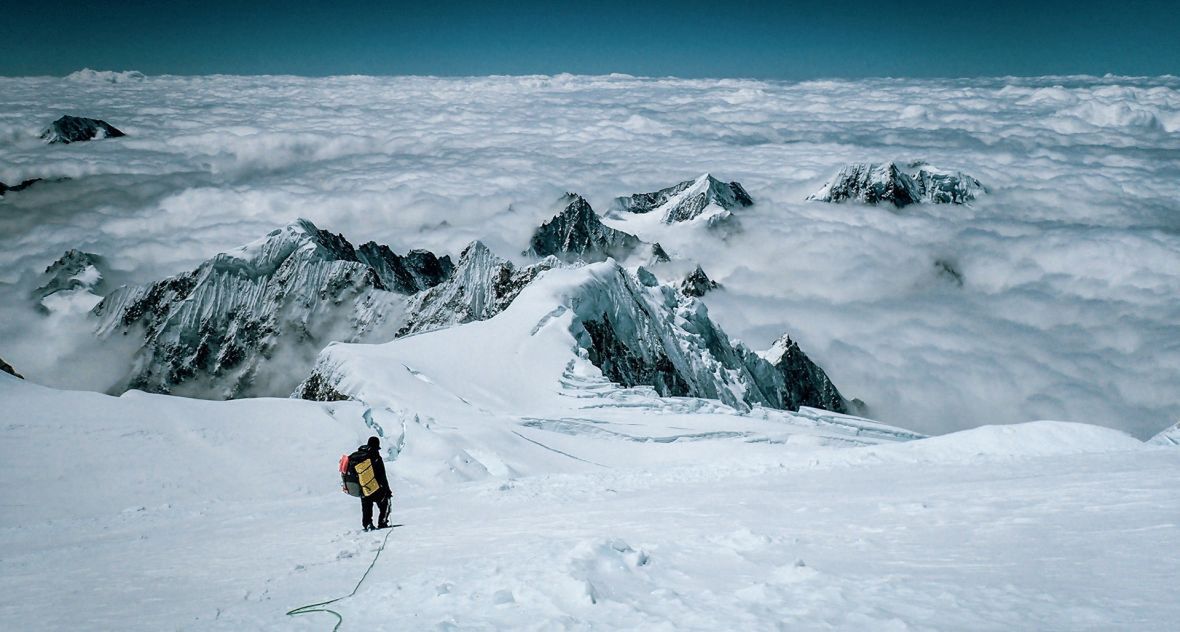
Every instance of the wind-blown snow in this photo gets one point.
(1068, 307)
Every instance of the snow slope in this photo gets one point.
(231, 516)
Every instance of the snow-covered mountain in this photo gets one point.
(75, 129)
(576, 233)
(625, 327)
(705, 197)
(231, 327)
(873, 183)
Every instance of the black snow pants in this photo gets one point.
(381, 498)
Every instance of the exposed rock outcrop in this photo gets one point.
(7, 368)
(75, 129)
(4, 188)
(418, 270)
(804, 383)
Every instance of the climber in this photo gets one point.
(369, 472)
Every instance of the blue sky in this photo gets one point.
(784, 40)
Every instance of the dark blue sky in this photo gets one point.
(787, 40)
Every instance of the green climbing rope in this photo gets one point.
(318, 607)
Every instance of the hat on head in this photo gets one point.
(374, 442)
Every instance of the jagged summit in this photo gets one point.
(214, 331)
(75, 277)
(697, 283)
(481, 286)
(74, 129)
(577, 234)
(804, 382)
(873, 183)
(704, 196)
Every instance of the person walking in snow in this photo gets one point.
(375, 487)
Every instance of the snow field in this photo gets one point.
(234, 517)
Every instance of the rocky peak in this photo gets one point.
(697, 283)
(804, 382)
(577, 234)
(704, 196)
(418, 270)
(76, 277)
(73, 129)
(872, 183)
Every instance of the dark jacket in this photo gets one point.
(378, 470)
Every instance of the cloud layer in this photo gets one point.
(1070, 302)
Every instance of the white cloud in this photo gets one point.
(1070, 306)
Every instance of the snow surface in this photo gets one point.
(147, 512)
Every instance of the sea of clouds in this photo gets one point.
(1069, 306)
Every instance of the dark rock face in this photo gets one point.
(74, 129)
(214, 332)
(870, 183)
(316, 388)
(577, 234)
(658, 254)
(620, 364)
(7, 368)
(698, 283)
(75, 270)
(418, 270)
(687, 200)
(4, 188)
(804, 383)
